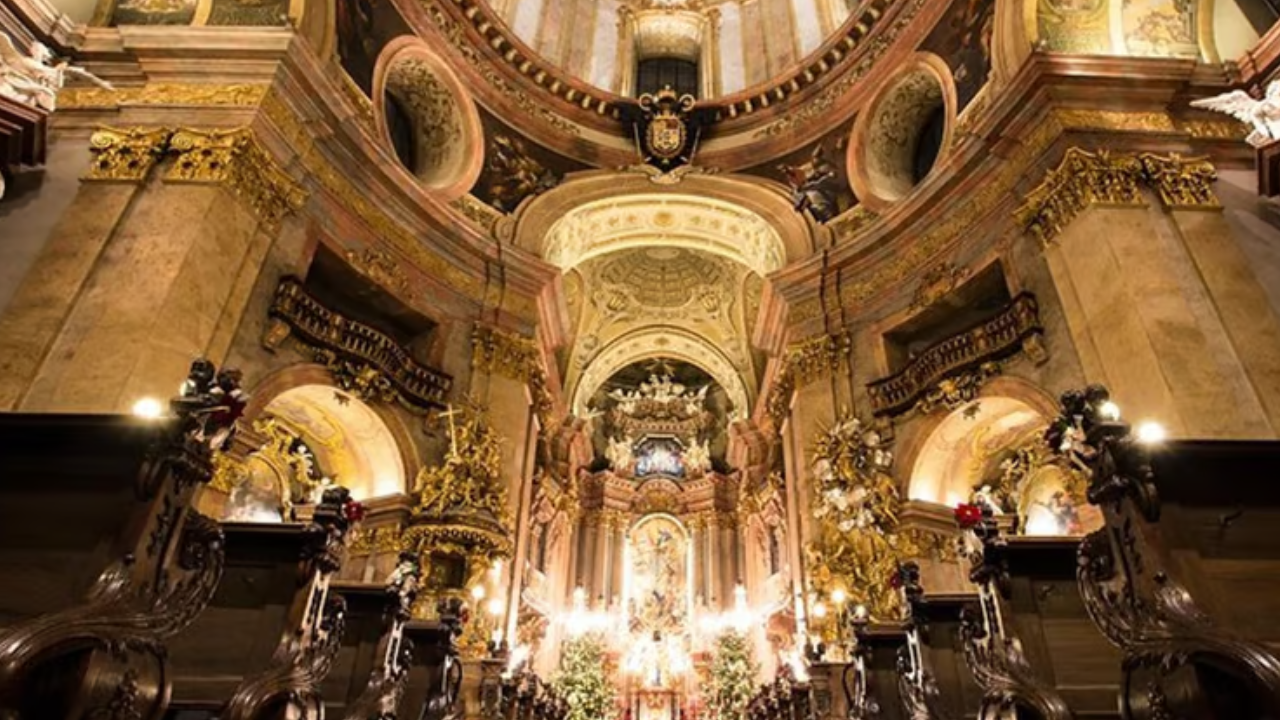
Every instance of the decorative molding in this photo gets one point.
(962, 388)
(126, 154)
(1017, 328)
(1181, 182)
(381, 267)
(177, 94)
(381, 540)
(477, 212)
(235, 158)
(802, 363)
(367, 361)
(936, 283)
(501, 353)
(1081, 180)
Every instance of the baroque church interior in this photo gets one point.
(639, 359)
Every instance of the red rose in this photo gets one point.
(895, 580)
(968, 515)
(353, 511)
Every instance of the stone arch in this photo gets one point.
(699, 212)
(660, 341)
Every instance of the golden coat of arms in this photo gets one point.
(666, 131)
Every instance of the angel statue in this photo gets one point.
(1263, 114)
(35, 79)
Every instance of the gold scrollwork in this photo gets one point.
(496, 352)
(188, 94)
(234, 157)
(1180, 182)
(1082, 179)
(381, 540)
(126, 154)
(952, 392)
(805, 362)
(381, 267)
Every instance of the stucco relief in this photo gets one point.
(436, 123)
(695, 223)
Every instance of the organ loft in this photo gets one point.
(639, 359)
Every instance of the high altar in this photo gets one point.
(657, 558)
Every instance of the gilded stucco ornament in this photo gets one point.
(1081, 180)
(126, 154)
(1181, 182)
(380, 540)
(859, 539)
(235, 158)
(361, 379)
(381, 267)
(958, 390)
(174, 94)
(802, 363)
(936, 283)
(501, 353)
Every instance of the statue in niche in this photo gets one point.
(813, 185)
(1263, 114)
(516, 175)
(35, 79)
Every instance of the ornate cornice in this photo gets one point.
(802, 363)
(177, 94)
(126, 154)
(1180, 182)
(497, 352)
(234, 158)
(1081, 180)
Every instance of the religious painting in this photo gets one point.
(816, 176)
(257, 13)
(1074, 26)
(364, 27)
(154, 12)
(962, 38)
(1159, 28)
(658, 577)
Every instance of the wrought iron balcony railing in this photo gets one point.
(363, 359)
(1015, 329)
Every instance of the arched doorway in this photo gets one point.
(310, 437)
(992, 450)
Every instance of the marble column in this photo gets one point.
(714, 596)
(144, 276)
(699, 559)
(1146, 325)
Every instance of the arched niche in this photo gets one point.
(344, 440)
(975, 443)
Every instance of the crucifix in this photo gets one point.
(453, 435)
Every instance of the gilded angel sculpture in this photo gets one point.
(1263, 114)
(34, 79)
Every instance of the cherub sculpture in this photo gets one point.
(1263, 114)
(35, 79)
(210, 402)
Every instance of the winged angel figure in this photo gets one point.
(1263, 114)
(35, 79)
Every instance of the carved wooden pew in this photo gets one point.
(102, 561)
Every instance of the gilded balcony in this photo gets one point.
(1014, 329)
(364, 360)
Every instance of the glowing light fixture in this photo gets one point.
(148, 408)
(1109, 411)
(495, 606)
(1151, 432)
(819, 609)
(838, 596)
(477, 592)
